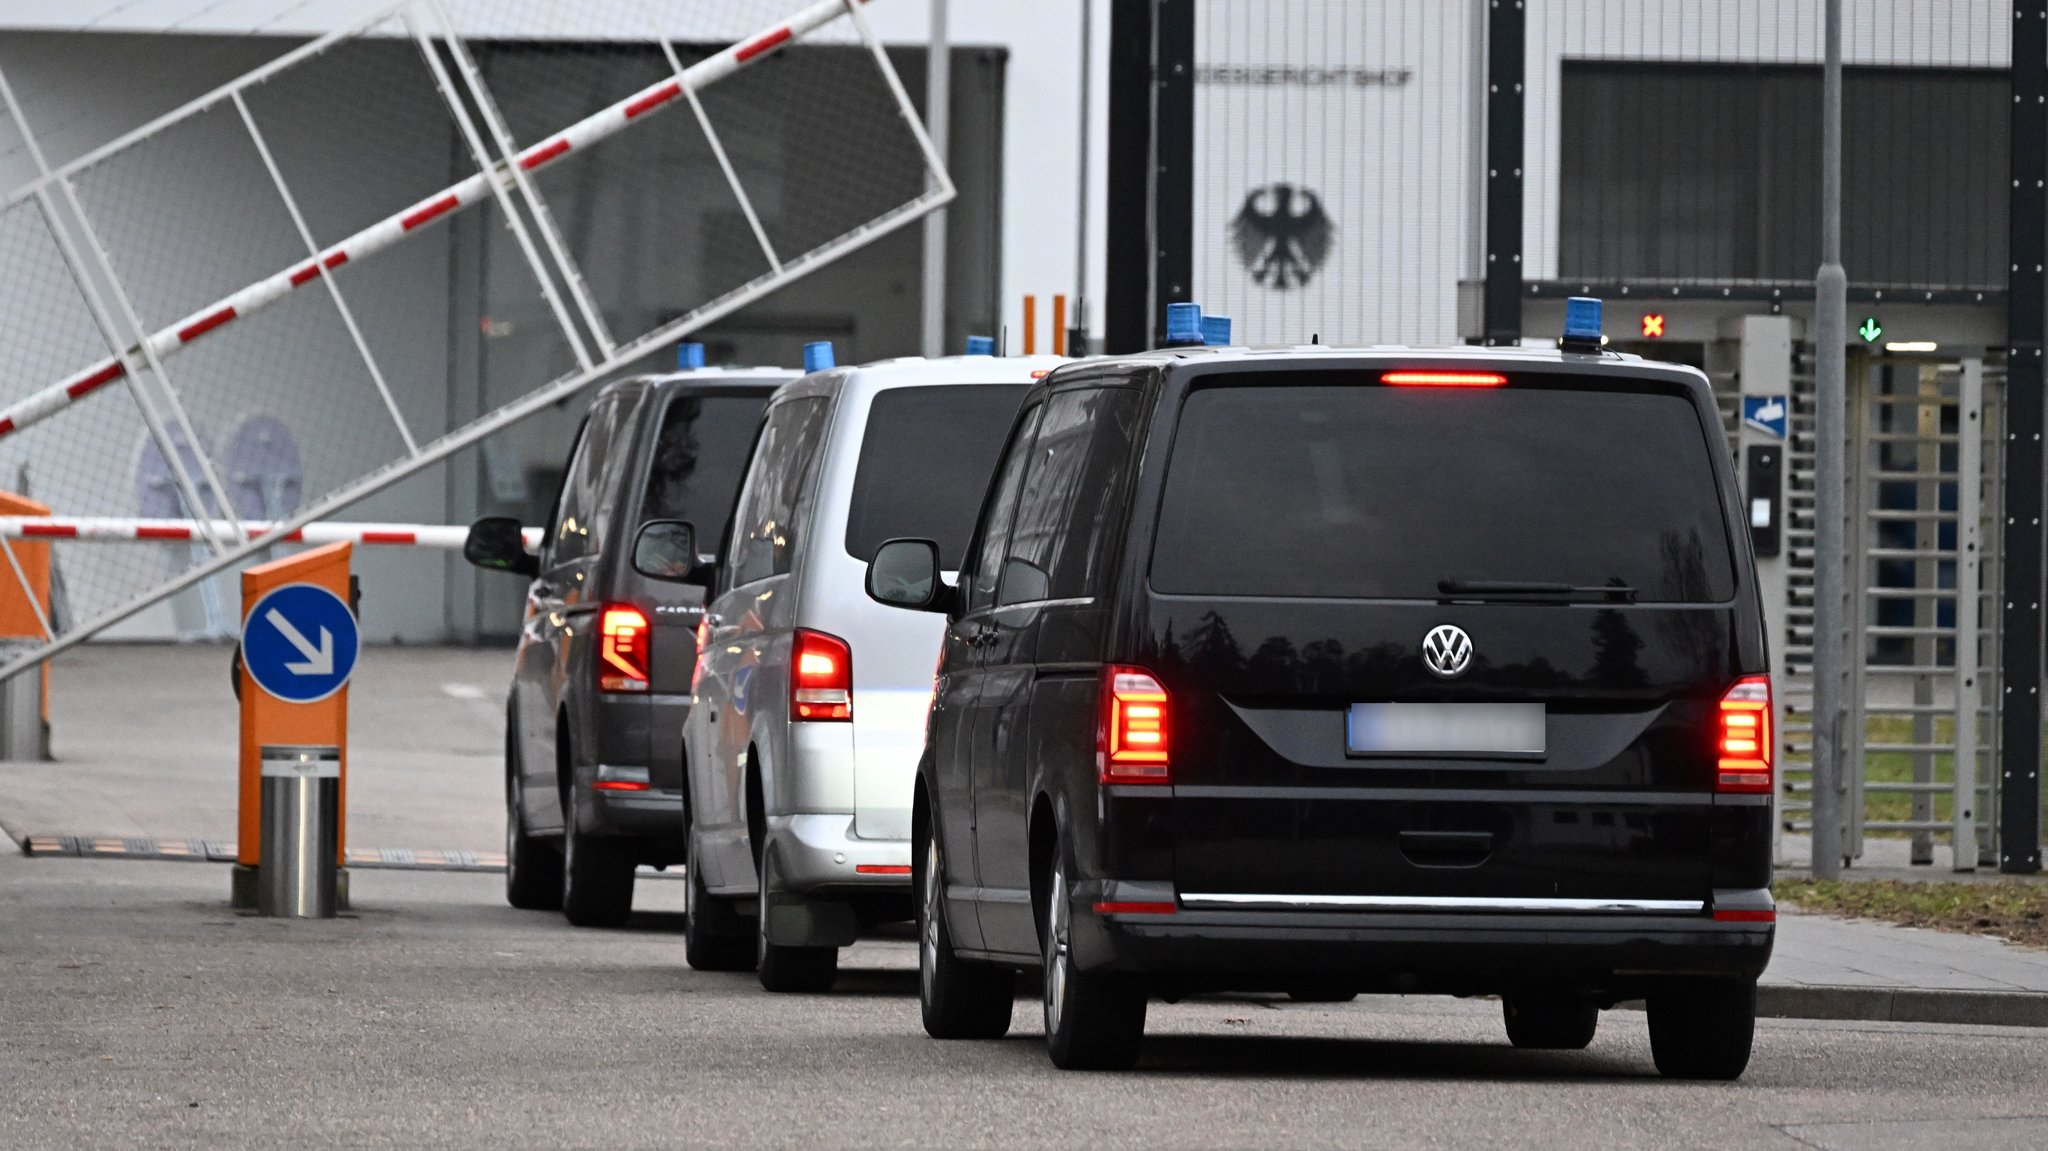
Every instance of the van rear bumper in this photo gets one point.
(1616, 955)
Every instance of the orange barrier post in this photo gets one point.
(269, 720)
(1059, 324)
(24, 615)
(1030, 325)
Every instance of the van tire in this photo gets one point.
(957, 998)
(715, 934)
(800, 970)
(1095, 1020)
(1549, 1022)
(597, 875)
(1703, 1029)
(533, 867)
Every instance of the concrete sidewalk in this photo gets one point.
(146, 739)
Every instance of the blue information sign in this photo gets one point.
(1765, 414)
(299, 643)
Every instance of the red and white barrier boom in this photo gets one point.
(114, 529)
(390, 230)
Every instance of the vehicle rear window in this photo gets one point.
(1381, 492)
(925, 463)
(700, 458)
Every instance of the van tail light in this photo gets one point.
(622, 636)
(820, 677)
(1744, 744)
(1131, 743)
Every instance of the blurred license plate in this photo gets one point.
(1445, 728)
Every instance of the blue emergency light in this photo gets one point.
(689, 354)
(981, 345)
(1581, 324)
(1183, 325)
(1216, 331)
(818, 355)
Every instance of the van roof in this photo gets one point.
(1401, 355)
(919, 371)
(713, 377)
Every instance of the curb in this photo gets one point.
(1903, 1005)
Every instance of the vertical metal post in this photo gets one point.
(1173, 208)
(2019, 744)
(1506, 40)
(1831, 322)
(1078, 338)
(1969, 591)
(938, 102)
(1127, 241)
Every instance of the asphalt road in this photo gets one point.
(136, 1009)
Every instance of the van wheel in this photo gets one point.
(959, 999)
(714, 932)
(799, 969)
(1549, 1022)
(597, 875)
(1094, 1021)
(1704, 1029)
(533, 868)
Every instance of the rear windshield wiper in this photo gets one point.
(1534, 589)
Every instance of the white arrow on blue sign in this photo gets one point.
(300, 643)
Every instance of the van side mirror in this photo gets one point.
(666, 550)
(498, 543)
(905, 574)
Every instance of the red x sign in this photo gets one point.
(1653, 325)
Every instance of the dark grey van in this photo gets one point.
(593, 727)
(1327, 672)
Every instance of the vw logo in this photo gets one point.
(1447, 650)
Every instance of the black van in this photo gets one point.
(1327, 672)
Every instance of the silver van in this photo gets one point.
(811, 698)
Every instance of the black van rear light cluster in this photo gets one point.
(622, 639)
(820, 677)
(1131, 742)
(1743, 739)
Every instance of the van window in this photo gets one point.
(1071, 495)
(986, 566)
(765, 526)
(575, 531)
(925, 462)
(700, 456)
(1381, 492)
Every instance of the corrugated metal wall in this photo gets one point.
(1333, 151)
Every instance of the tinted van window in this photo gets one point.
(767, 521)
(925, 463)
(577, 507)
(700, 457)
(1073, 493)
(1381, 492)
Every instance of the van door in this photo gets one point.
(745, 621)
(1051, 569)
(1463, 642)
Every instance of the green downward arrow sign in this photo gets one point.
(1870, 330)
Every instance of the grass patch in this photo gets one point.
(2015, 911)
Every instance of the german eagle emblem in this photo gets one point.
(1282, 234)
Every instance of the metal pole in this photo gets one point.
(1506, 40)
(1831, 324)
(1173, 139)
(1127, 237)
(1969, 592)
(938, 100)
(2019, 716)
(1078, 340)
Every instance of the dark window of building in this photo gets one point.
(1689, 172)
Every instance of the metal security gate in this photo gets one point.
(1924, 470)
(239, 257)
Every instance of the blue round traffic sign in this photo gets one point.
(299, 643)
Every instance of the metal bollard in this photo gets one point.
(24, 736)
(301, 807)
